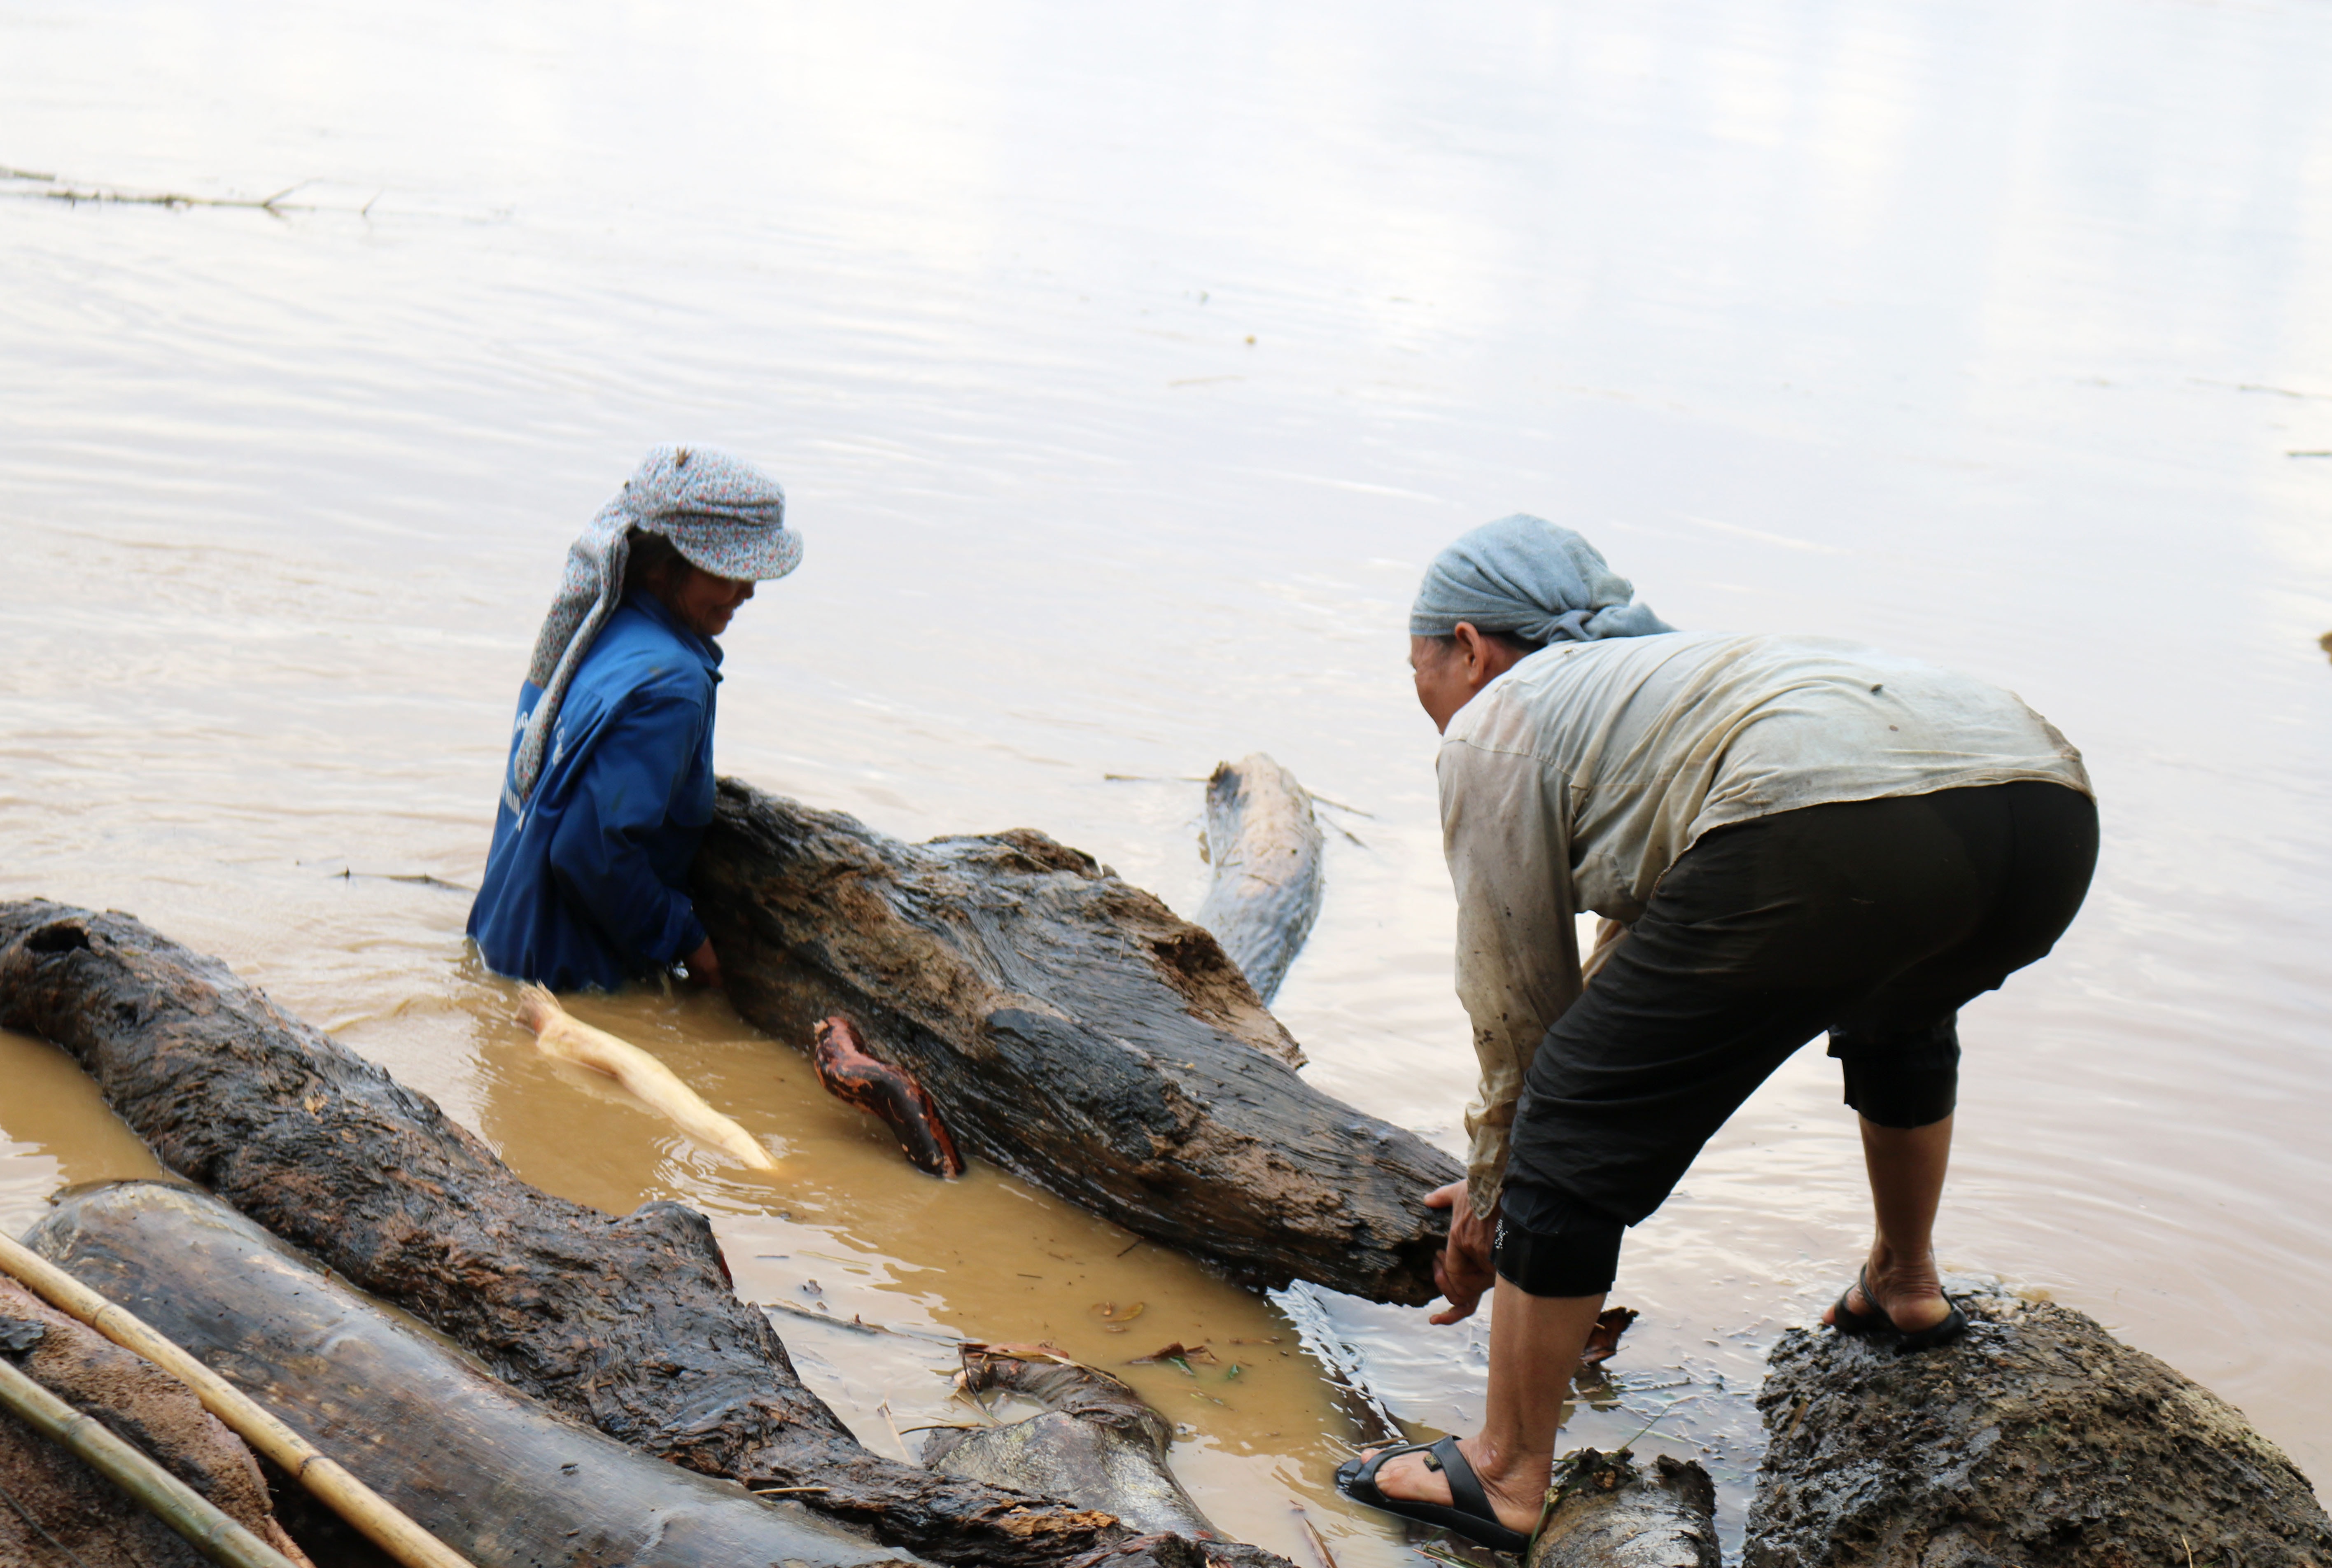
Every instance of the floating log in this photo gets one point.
(1264, 844)
(2037, 1439)
(1097, 1441)
(494, 1475)
(1074, 1031)
(1606, 1511)
(200, 1483)
(629, 1325)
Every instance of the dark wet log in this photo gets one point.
(627, 1323)
(882, 1090)
(1610, 1512)
(1097, 1441)
(496, 1475)
(2038, 1438)
(1076, 1032)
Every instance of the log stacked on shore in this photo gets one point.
(627, 1323)
(2038, 1439)
(1074, 1031)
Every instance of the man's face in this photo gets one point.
(705, 603)
(1440, 671)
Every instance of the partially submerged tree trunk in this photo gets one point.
(1074, 1031)
(627, 1323)
(1610, 1512)
(2039, 1439)
(497, 1476)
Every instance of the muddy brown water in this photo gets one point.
(1123, 370)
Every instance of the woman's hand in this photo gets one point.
(704, 966)
(1463, 1271)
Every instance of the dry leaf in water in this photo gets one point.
(1603, 1339)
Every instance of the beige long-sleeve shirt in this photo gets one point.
(1575, 779)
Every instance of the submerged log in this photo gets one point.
(1606, 1511)
(1074, 1031)
(628, 1323)
(882, 1090)
(60, 1511)
(497, 1476)
(2038, 1438)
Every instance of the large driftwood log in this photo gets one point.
(2038, 1439)
(494, 1475)
(1074, 1031)
(627, 1323)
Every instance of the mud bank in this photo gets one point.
(627, 1323)
(1073, 1031)
(2038, 1439)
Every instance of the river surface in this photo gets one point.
(1123, 366)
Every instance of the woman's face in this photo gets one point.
(1449, 674)
(703, 602)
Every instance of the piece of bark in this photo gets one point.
(1097, 1441)
(2038, 1438)
(499, 1477)
(629, 1324)
(1074, 1031)
(1609, 1512)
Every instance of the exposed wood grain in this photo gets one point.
(1074, 1031)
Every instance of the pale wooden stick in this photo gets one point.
(332, 1485)
(159, 1493)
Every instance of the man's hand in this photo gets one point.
(1463, 1271)
(704, 969)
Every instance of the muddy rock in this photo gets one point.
(1610, 1512)
(2038, 1438)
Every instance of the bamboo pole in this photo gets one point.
(332, 1485)
(159, 1493)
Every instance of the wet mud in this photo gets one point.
(1073, 1031)
(2038, 1441)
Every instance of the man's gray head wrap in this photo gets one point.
(1526, 575)
(724, 516)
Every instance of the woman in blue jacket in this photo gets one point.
(609, 786)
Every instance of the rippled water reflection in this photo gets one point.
(1123, 368)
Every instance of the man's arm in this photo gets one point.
(1505, 830)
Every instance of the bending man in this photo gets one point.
(1800, 835)
(609, 787)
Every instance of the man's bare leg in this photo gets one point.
(1907, 1167)
(1534, 1345)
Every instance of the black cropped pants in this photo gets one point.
(1874, 920)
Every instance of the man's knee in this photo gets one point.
(1550, 1245)
(1900, 1077)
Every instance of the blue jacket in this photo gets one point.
(586, 885)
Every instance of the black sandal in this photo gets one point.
(1472, 1517)
(1880, 1328)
